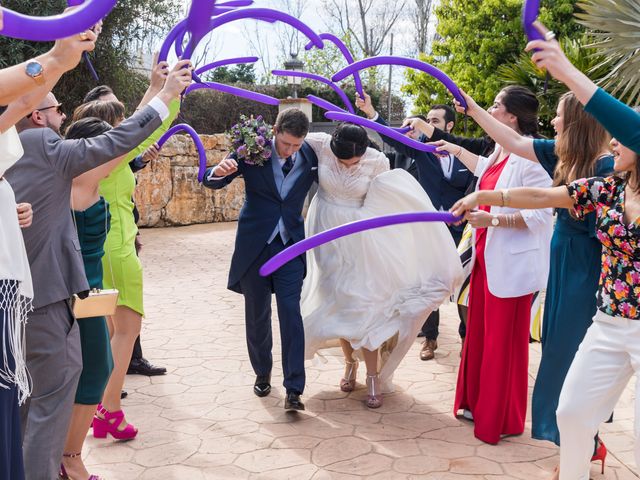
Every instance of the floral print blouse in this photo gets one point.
(619, 292)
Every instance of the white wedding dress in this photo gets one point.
(376, 288)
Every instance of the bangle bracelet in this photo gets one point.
(502, 198)
(459, 151)
(505, 197)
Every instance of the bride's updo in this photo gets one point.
(348, 141)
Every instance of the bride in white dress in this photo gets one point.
(371, 290)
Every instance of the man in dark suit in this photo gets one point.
(271, 220)
(43, 177)
(445, 179)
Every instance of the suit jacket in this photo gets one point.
(442, 191)
(43, 177)
(269, 196)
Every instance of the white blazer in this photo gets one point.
(517, 259)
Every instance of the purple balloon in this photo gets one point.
(46, 29)
(238, 92)
(530, 12)
(311, 76)
(382, 130)
(332, 234)
(236, 3)
(198, 23)
(325, 104)
(196, 139)
(92, 70)
(222, 63)
(262, 14)
(347, 55)
(406, 62)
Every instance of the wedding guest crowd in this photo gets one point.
(68, 225)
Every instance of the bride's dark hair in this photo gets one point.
(348, 141)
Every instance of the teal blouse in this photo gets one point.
(620, 120)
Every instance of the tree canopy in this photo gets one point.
(129, 25)
(477, 37)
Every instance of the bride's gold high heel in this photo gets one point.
(348, 382)
(374, 397)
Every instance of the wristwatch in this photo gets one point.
(34, 69)
(495, 221)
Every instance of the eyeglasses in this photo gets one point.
(57, 107)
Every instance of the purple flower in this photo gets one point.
(259, 118)
(266, 153)
(260, 140)
(262, 130)
(242, 150)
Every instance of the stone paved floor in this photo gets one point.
(202, 421)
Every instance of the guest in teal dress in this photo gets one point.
(97, 363)
(579, 150)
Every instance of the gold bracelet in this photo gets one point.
(502, 198)
(505, 197)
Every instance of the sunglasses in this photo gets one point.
(57, 107)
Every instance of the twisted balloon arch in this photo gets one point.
(204, 16)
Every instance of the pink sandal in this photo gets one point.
(102, 426)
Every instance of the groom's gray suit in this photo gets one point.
(43, 178)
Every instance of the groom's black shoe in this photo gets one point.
(292, 402)
(262, 387)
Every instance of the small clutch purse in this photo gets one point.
(99, 303)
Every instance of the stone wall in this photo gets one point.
(168, 191)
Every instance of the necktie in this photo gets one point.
(287, 166)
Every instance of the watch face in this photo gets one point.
(33, 69)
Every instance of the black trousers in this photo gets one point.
(431, 326)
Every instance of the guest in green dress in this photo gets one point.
(122, 267)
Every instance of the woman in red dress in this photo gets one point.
(511, 250)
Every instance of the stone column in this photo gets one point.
(299, 103)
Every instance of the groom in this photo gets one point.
(271, 220)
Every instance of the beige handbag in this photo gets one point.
(99, 302)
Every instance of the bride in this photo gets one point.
(372, 290)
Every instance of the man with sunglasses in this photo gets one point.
(44, 176)
(48, 114)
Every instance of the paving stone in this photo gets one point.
(202, 421)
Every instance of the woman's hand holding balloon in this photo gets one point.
(177, 81)
(66, 52)
(465, 205)
(365, 105)
(548, 54)
(472, 106)
(419, 125)
(159, 74)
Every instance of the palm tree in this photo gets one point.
(614, 27)
(524, 72)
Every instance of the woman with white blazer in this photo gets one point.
(510, 262)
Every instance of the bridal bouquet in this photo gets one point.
(251, 140)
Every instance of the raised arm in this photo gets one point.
(366, 106)
(74, 157)
(478, 146)
(469, 159)
(620, 120)
(23, 93)
(159, 74)
(501, 134)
